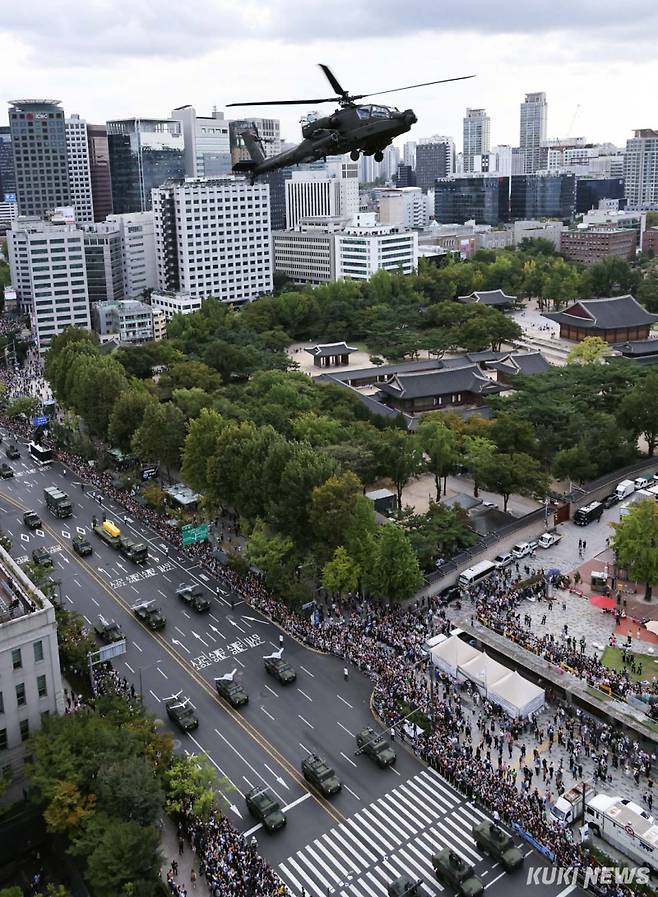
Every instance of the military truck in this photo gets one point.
(108, 631)
(182, 712)
(42, 557)
(109, 533)
(263, 807)
(192, 594)
(374, 745)
(404, 887)
(31, 520)
(136, 552)
(81, 545)
(231, 690)
(318, 772)
(495, 841)
(58, 502)
(280, 669)
(6, 471)
(12, 452)
(150, 615)
(451, 870)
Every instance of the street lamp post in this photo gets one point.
(140, 670)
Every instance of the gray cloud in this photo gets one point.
(74, 31)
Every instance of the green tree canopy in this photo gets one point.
(127, 416)
(341, 574)
(439, 446)
(591, 350)
(393, 571)
(160, 435)
(636, 543)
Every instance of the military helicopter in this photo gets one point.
(353, 128)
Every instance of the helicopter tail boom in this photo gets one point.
(254, 147)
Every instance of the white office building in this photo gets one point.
(477, 134)
(365, 247)
(641, 170)
(128, 321)
(212, 238)
(8, 212)
(140, 271)
(47, 265)
(534, 112)
(331, 192)
(170, 303)
(207, 145)
(308, 253)
(30, 677)
(77, 156)
(404, 207)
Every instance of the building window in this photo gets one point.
(25, 729)
(2, 703)
(3, 740)
(16, 659)
(44, 716)
(20, 694)
(38, 651)
(42, 687)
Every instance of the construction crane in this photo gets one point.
(573, 121)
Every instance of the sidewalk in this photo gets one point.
(186, 861)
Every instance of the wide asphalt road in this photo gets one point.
(383, 822)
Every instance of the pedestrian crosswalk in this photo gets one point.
(396, 834)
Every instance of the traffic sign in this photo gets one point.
(39, 421)
(193, 534)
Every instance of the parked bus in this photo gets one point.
(40, 454)
(476, 574)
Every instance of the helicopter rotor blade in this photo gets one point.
(286, 102)
(379, 93)
(331, 78)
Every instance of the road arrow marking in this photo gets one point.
(255, 620)
(196, 635)
(100, 570)
(278, 778)
(237, 625)
(214, 629)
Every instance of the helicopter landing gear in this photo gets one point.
(379, 156)
(354, 155)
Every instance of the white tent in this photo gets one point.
(484, 671)
(452, 654)
(516, 695)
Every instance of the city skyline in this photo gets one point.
(166, 57)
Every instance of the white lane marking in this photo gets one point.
(240, 662)
(395, 771)
(347, 788)
(87, 619)
(138, 648)
(493, 882)
(95, 602)
(308, 672)
(272, 691)
(185, 614)
(164, 576)
(77, 583)
(305, 721)
(215, 764)
(162, 673)
(130, 668)
(303, 747)
(345, 702)
(347, 758)
(134, 589)
(305, 695)
(179, 630)
(160, 592)
(268, 714)
(155, 696)
(345, 729)
(247, 763)
(70, 600)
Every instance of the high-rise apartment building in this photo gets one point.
(330, 192)
(104, 262)
(99, 168)
(77, 153)
(47, 265)
(144, 153)
(435, 158)
(30, 676)
(207, 144)
(477, 136)
(532, 132)
(269, 132)
(641, 170)
(140, 272)
(38, 140)
(212, 238)
(409, 153)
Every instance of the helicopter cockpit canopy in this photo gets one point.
(366, 112)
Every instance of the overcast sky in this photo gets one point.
(119, 58)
